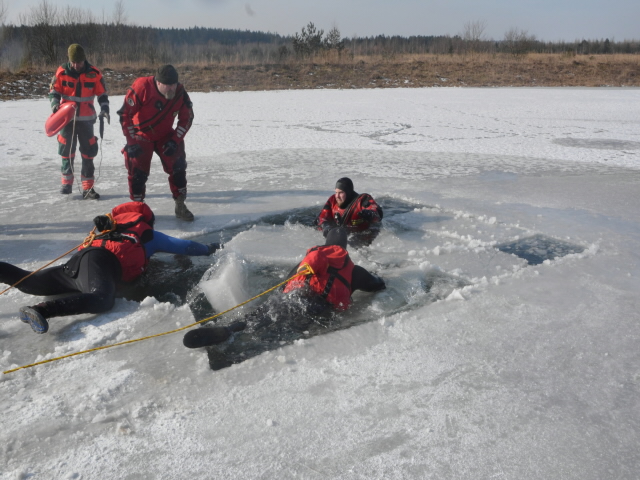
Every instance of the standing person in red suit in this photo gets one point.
(147, 117)
(359, 214)
(80, 82)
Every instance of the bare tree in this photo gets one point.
(43, 19)
(473, 34)
(119, 16)
(75, 16)
(518, 42)
(3, 12)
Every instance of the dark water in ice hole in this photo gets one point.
(175, 279)
(538, 248)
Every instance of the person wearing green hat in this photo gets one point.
(79, 82)
(147, 117)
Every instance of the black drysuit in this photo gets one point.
(90, 276)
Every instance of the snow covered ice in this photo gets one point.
(474, 363)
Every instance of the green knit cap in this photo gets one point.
(76, 53)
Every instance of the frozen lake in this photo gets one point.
(505, 346)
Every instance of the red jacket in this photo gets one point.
(134, 227)
(331, 278)
(67, 85)
(350, 216)
(147, 114)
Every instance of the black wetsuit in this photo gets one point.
(90, 275)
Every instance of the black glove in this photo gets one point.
(213, 247)
(170, 148)
(326, 226)
(102, 223)
(104, 113)
(55, 108)
(378, 283)
(133, 150)
(367, 215)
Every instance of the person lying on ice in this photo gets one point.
(327, 278)
(358, 213)
(119, 252)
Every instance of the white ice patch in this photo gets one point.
(226, 282)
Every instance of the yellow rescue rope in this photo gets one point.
(304, 271)
(44, 266)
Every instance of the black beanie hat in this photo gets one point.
(345, 184)
(337, 236)
(167, 74)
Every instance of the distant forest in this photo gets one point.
(41, 43)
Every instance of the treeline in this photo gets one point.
(44, 44)
(440, 45)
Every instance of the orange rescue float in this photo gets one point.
(60, 118)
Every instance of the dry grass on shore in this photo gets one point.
(389, 71)
(422, 71)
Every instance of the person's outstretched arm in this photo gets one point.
(363, 280)
(162, 242)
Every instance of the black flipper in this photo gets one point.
(205, 337)
(208, 336)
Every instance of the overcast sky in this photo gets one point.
(549, 20)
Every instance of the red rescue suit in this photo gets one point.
(134, 227)
(147, 115)
(331, 278)
(350, 216)
(67, 85)
(147, 118)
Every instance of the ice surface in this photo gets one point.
(472, 364)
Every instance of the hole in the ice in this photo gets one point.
(401, 295)
(600, 143)
(538, 248)
(174, 278)
(439, 285)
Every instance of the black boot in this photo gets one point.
(90, 194)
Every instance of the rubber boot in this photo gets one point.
(182, 212)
